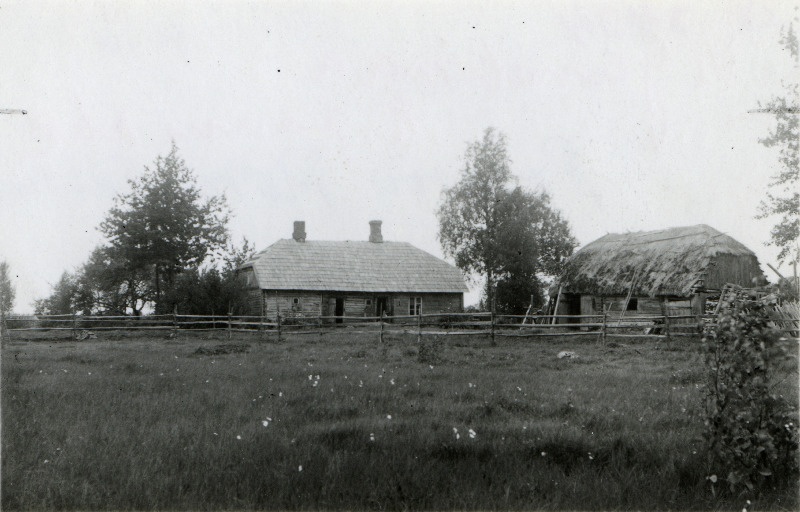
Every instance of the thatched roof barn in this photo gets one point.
(675, 265)
(300, 277)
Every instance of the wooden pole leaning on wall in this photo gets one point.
(419, 327)
(74, 325)
(666, 325)
(230, 327)
(555, 308)
(279, 326)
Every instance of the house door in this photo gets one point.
(339, 309)
(381, 306)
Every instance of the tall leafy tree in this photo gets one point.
(496, 230)
(533, 240)
(163, 225)
(783, 201)
(7, 291)
(65, 299)
(468, 221)
(108, 286)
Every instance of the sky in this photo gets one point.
(631, 115)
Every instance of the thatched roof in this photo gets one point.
(353, 266)
(674, 261)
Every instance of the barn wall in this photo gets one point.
(726, 268)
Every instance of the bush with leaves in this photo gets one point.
(750, 431)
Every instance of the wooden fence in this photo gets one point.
(451, 324)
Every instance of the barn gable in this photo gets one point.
(671, 262)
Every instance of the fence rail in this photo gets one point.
(462, 324)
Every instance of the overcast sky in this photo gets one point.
(632, 115)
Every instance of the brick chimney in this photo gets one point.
(375, 235)
(299, 233)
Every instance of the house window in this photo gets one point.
(633, 304)
(414, 305)
(369, 302)
(296, 301)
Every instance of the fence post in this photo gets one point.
(279, 326)
(494, 343)
(261, 318)
(74, 326)
(666, 326)
(230, 327)
(700, 324)
(175, 321)
(603, 335)
(419, 327)
(213, 321)
(381, 320)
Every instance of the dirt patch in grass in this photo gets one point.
(225, 348)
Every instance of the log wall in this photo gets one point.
(298, 304)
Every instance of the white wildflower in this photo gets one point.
(388, 416)
(372, 437)
(472, 434)
(239, 438)
(300, 468)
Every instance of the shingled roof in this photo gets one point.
(674, 261)
(353, 266)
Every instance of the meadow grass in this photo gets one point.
(340, 422)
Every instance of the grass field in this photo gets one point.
(339, 422)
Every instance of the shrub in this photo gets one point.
(750, 432)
